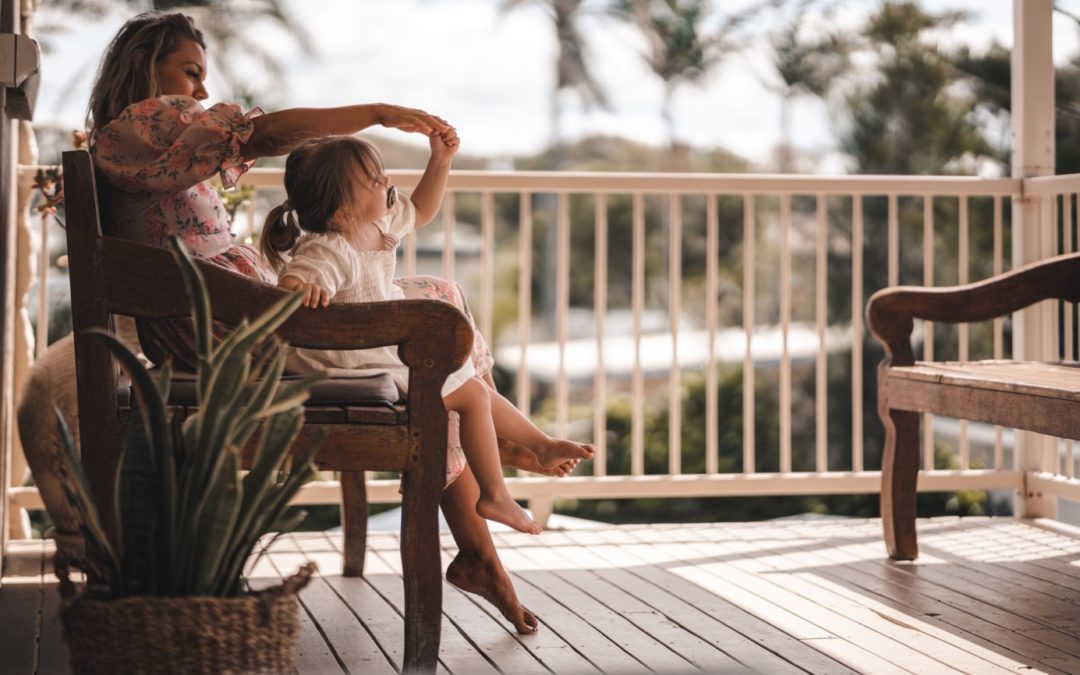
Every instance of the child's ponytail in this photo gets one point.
(280, 233)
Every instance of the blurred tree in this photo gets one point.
(225, 25)
(681, 48)
(806, 67)
(572, 69)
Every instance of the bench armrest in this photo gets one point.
(891, 312)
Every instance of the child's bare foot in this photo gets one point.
(491, 583)
(557, 452)
(506, 511)
(520, 457)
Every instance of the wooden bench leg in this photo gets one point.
(354, 519)
(422, 572)
(899, 476)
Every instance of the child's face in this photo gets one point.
(375, 197)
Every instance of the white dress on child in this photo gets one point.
(352, 275)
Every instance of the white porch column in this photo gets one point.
(1032, 155)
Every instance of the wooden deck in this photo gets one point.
(987, 596)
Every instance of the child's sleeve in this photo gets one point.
(172, 143)
(316, 261)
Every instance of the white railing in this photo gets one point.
(815, 219)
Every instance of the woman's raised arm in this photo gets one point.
(277, 133)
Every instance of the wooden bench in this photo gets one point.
(1034, 396)
(114, 276)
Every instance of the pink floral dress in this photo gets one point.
(154, 160)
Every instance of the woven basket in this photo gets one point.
(255, 633)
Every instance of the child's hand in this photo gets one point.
(314, 294)
(445, 144)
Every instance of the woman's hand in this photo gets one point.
(314, 294)
(411, 120)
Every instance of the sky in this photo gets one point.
(491, 73)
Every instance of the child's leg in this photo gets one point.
(472, 402)
(515, 427)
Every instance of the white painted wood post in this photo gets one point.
(1032, 155)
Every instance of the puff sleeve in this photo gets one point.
(321, 260)
(171, 143)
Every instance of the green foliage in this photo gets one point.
(187, 521)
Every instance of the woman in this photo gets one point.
(154, 146)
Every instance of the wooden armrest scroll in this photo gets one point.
(891, 312)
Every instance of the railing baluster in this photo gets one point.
(856, 334)
(928, 326)
(487, 264)
(448, 213)
(1069, 213)
(821, 313)
(525, 237)
(42, 335)
(675, 227)
(785, 332)
(712, 431)
(600, 310)
(748, 327)
(964, 331)
(562, 304)
(894, 240)
(637, 422)
(999, 330)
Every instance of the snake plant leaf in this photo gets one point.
(265, 383)
(151, 405)
(77, 487)
(200, 299)
(217, 528)
(139, 504)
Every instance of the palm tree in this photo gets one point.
(680, 48)
(805, 68)
(572, 72)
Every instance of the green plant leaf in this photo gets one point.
(200, 300)
(74, 482)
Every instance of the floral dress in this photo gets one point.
(153, 162)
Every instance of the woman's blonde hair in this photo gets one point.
(320, 180)
(128, 71)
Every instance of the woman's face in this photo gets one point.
(181, 73)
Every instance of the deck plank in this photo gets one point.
(601, 579)
(354, 646)
(904, 627)
(488, 635)
(735, 562)
(20, 607)
(992, 596)
(596, 650)
(561, 579)
(744, 636)
(861, 566)
(548, 646)
(313, 653)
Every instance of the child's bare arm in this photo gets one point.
(429, 191)
(314, 294)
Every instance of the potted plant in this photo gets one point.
(168, 593)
